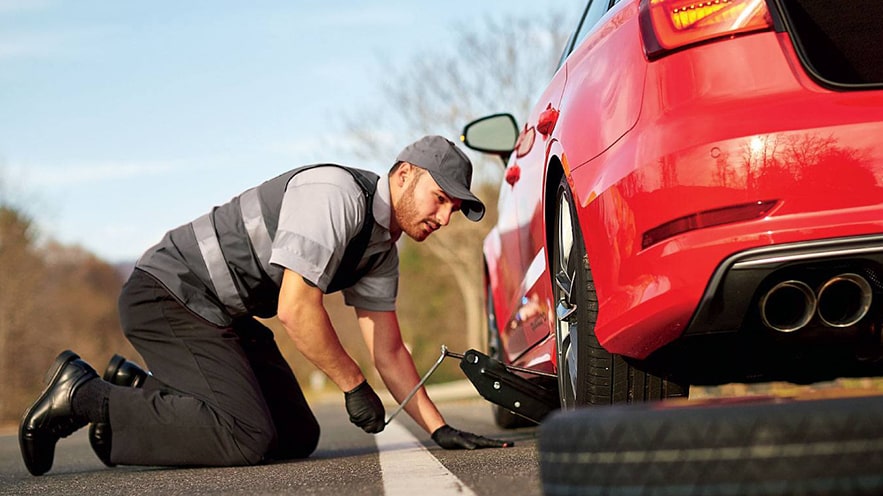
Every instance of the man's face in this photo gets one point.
(424, 207)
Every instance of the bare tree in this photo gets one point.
(499, 66)
(51, 297)
(21, 272)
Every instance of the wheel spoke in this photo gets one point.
(572, 366)
(564, 283)
(565, 276)
(566, 359)
(565, 234)
(566, 307)
(564, 311)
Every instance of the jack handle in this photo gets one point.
(445, 352)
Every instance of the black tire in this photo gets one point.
(818, 447)
(503, 417)
(587, 373)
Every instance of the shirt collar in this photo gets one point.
(382, 203)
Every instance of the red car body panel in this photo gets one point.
(642, 143)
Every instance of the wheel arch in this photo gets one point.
(554, 173)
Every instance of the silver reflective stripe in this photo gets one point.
(253, 219)
(210, 249)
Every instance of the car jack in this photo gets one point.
(496, 383)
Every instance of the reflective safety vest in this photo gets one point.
(218, 266)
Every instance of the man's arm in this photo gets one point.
(396, 366)
(304, 318)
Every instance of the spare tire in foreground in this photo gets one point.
(733, 448)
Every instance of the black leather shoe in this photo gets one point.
(100, 437)
(119, 372)
(51, 417)
(122, 372)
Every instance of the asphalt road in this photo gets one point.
(347, 461)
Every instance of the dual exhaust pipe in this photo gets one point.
(841, 301)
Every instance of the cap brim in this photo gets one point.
(471, 207)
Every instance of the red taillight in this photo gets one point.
(670, 24)
(708, 218)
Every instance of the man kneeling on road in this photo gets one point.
(219, 393)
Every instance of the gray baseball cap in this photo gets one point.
(449, 167)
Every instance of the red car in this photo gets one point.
(696, 198)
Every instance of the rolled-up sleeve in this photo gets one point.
(322, 210)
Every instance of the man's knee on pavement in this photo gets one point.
(263, 444)
(311, 440)
(297, 441)
(255, 438)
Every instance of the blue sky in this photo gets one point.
(120, 119)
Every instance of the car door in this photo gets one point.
(531, 320)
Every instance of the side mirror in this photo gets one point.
(495, 134)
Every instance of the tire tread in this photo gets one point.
(799, 447)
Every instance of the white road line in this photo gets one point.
(408, 467)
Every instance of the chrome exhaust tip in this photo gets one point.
(844, 300)
(788, 306)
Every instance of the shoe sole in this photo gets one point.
(61, 360)
(49, 379)
(110, 373)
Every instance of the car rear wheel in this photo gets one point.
(587, 373)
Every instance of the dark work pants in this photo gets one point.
(218, 396)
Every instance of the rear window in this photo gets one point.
(840, 42)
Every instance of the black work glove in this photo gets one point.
(449, 438)
(365, 408)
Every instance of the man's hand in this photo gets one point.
(365, 408)
(449, 438)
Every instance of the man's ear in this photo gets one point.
(403, 172)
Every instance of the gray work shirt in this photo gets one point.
(229, 263)
(323, 208)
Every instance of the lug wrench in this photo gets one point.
(445, 352)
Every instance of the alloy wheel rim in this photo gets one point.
(566, 307)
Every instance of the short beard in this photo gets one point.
(406, 211)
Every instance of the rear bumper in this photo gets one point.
(732, 295)
(706, 281)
